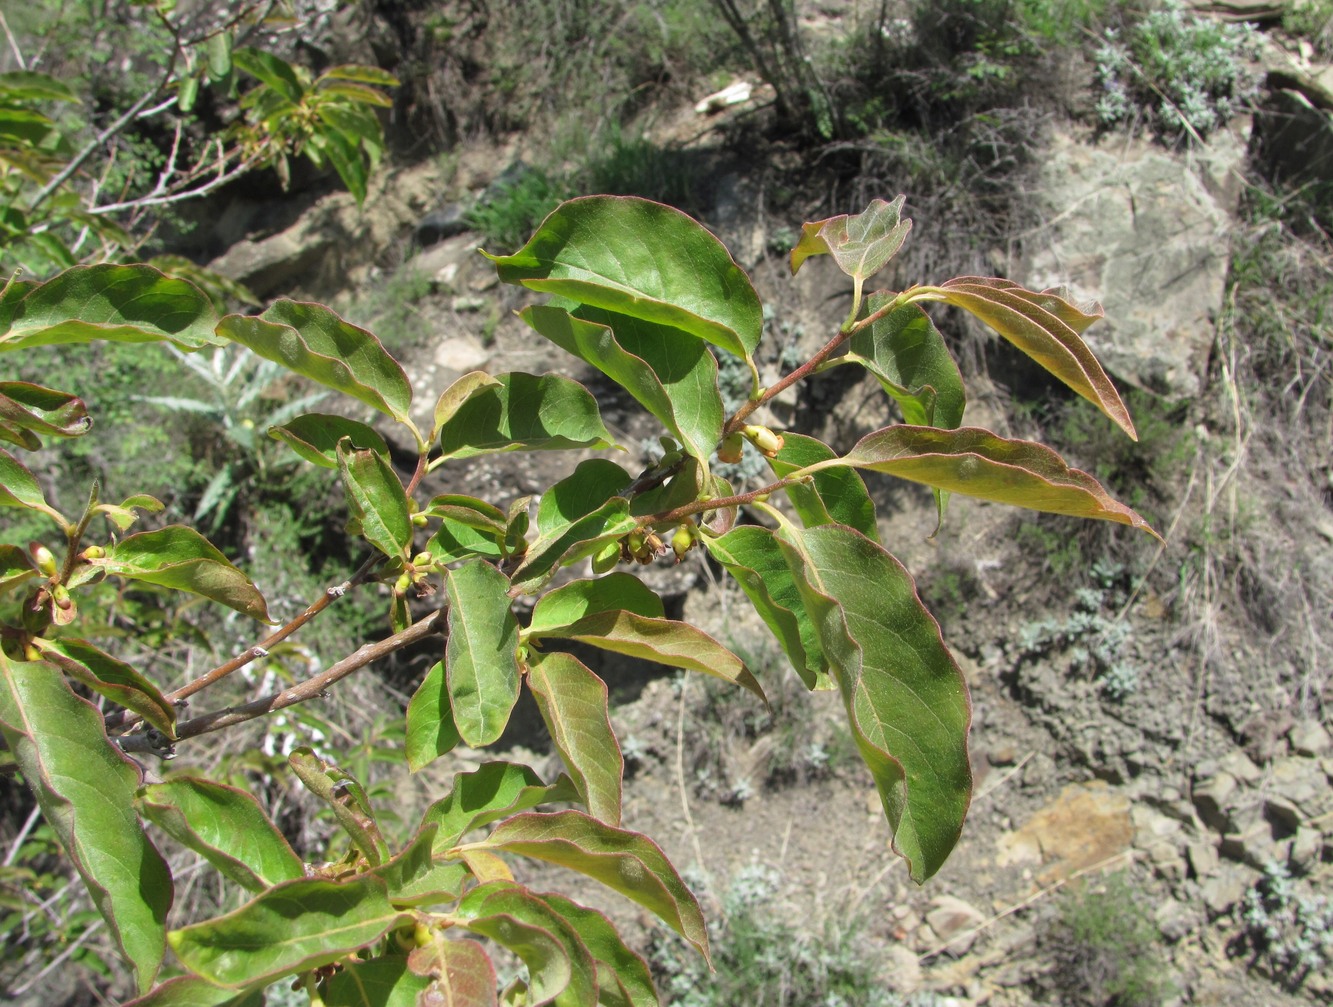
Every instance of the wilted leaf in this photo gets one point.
(180, 558)
(977, 463)
(480, 657)
(225, 826)
(311, 340)
(132, 304)
(524, 412)
(346, 797)
(291, 927)
(645, 260)
(575, 705)
(669, 372)
(627, 862)
(85, 788)
(906, 699)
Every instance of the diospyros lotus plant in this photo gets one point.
(650, 298)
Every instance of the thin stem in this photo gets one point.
(743, 413)
(309, 689)
(678, 514)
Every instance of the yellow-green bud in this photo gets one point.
(402, 584)
(44, 558)
(419, 520)
(93, 552)
(682, 541)
(606, 560)
(422, 559)
(423, 934)
(60, 595)
(768, 443)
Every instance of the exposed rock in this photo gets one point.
(951, 918)
(1309, 737)
(903, 970)
(1225, 888)
(1176, 919)
(1162, 839)
(1307, 850)
(445, 222)
(1082, 827)
(1203, 858)
(1251, 11)
(1212, 797)
(1145, 233)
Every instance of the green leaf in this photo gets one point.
(575, 705)
(376, 499)
(417, 877)
(360, 74)
(559, 966)
(16, 567)
(272, 70)
(578, 599)
(455, 540)
(132, 304)
(40, 410)
(831, 497)
(622, 975)
(344, 153)
(225, 826)
(313, 341)
(480, 657)
(628, 862)
(345, 795)
(1044, 326)
(455, 395)
(524, 412)
(861, 243)
(315, 437)
(113, 679)
(592, 483)
(585, 537)
(675, 644)
(977, 463)
(217, 49)
(753, 557)
(907, 356)
(85, 788)
(189, 991)
(27, 85)
(906, 699)
(380, 982)
(645, 260)
(18, 486)
(431, 731)
(180, 558)
(463, 973)
(292, 927)
(668, 371)
(492, 791)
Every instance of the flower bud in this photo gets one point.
(731, 449)
(606, 560)
(44, 558)
(682, 541)
(768, 443)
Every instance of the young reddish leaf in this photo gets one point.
(1045, 327)
(85, 788)
(380, 982)
(830, 497)
(675, 644)
(189, 991)
(669, 372)
(622, 975)
(752, 556)
(575, 704)
(559, 966)
(627, 862)
(180, 558)
(585, 537)
(18, 486)
(431, 731)
(455, 395)
(861, 243)
(129, 304)
(291, 927)
(311, 340)
(908, 357)
(578, 599)
(610, 252)
(16, 566)
(114, 679)
(524, 412)
(417, 877)
(906, 700)
(34, 409)
(977, 463)
(376, 499)
(315, 437)
(463, 973)
(225, 826)
(345, 795)
(487, 794)
(480, 657)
